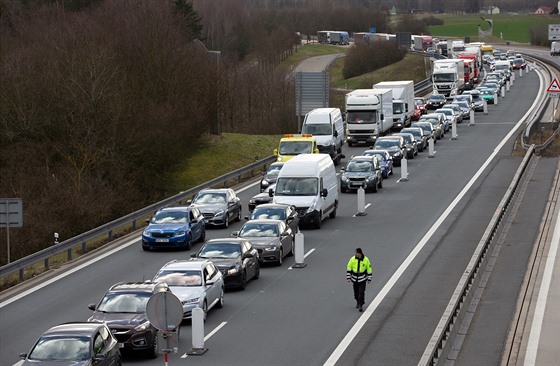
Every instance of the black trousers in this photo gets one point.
(360, 292)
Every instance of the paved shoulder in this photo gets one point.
(317, 63)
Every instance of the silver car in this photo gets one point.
(196, 282)
(219, 206)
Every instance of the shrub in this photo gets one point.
(364, 58)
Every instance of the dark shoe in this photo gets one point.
(360, 309)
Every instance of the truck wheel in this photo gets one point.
(318, 223)
(332, 215)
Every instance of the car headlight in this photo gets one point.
(142, 327)
(264, 183)
(190, 301)
(181, 233)
(343, 178)
(220, 213)
(147, 233)
(270, 249)
(368, 179)
(232, 271)
(312, 206)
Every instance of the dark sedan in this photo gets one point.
(123, 309)
(236, 258)
(418, 133)
(218, 205)
(435, 101)
(75, 344)
(277, 211)
(385, 161)
(271, 175)
(261, 198)
(272, 238)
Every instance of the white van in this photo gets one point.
(308, 182)
(327, 127)
(555, 48)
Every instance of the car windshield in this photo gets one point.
(414, 132)
(293, 186)
(380, 156)
(361, 117)
(274, 170)
(437, 98)
(359, 166)
(448, 112)
(254, 230)
(385, 143)
(210, 198)
(220, 250)
(446, 78)
(62, 348)
(295, 147)
(123, 302)
(317, 129)
(419, 101)
(268, 213)
(398, 108)
(426, 128)
(184, 278)
(170, 217)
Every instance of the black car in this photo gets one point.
(395, 145)
(435, 101)
(75, 344)
(411, 144)
(219, 206)
(235, 258)
(272, 238)
(277, 211)
(269, 178)
(123, 309)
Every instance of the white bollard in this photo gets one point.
(299, 251)
(361, 201)
(471, 120)
(507, 85)
(485, 106)
(512, 77)
(495, 99)
(431, 151)
(503, 91)
(454, 129)
(404, 170)
(197, 323)
(527, 69)
(520, 73)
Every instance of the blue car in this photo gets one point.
(174, 227)
(385, 161)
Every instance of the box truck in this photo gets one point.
(403, 101)
(369, 114)
(448, 77)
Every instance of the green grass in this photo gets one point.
(514, 27)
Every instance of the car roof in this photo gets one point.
(362, 157)
(232, 241)
(390, 137)
(181, 264)
(215, 190)
(264, 221)
(83, 328)
(273, 205)
(146, 286)
(174, 209)
(376, 151)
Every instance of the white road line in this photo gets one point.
(343, 345)
(304, 256)
(536, 326)
(365, 208)
(210, 335)
(66, 273)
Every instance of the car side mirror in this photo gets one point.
(271, 192)
(275, 153)
(210, 282)
(99, 357)
(91, 307)
(335, 133)
(247, 255)
(382, 117)
(23, 356)
(235, 234)
(324, 192)
(193, 255)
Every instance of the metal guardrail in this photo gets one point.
(105, 232)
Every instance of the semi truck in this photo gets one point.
(369, 114)
(474, 64)
(333, 37)
(403, 101)
(422, 43)
(448, 77)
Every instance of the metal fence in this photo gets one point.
(129, 222)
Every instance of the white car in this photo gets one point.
(449, 115)
(196, 282)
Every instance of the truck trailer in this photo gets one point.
(403, 101)
(369, 114)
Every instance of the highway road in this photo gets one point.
(419, 234)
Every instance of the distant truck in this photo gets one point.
(475, 66)
(333, 37)
(457, 47)
(294, 144)
(448, 77)
(369, 114)
(422, 43)
(403, 101)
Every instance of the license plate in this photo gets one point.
(162, 240)
(121, 345)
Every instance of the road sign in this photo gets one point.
(11, 212)
(164, 311)
(554, 87)
(553, 32)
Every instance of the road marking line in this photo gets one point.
(365, 208)
(209, 335)
(305, 256)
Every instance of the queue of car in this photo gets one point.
(119, 320)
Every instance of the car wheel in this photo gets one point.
(332, 215)
(147, 249)
(391, 171)
(374, 188)
(343, 189)
(220, 303)
(205, 310)
(257, 271)
(202, 236)
(280, 257)
(154, 349)
(243, 284)
(380, 183)
(188, 244)
(292, 252)
(318, 223)
(226, 221)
